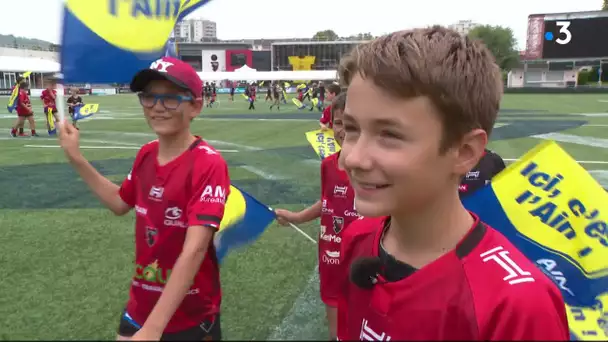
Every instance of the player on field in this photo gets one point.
(420, 107)
(49, 100)
(489, 166)
(337, 211)
(276, 95)
(232, 91)
(24, 111)
(178, 186)
(74, 101)
(332, 91)
(207, 93)
(251, 95)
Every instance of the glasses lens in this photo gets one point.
(146, 100)
(171, 101)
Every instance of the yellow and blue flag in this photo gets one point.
(556, 213)
(245, 219)
(108, 41)
(84, 111)
(13, 100)
(323, 142)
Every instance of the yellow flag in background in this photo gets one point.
(323, 142)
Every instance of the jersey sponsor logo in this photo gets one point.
(368, 334)
(172, 218)
(340, 191)
(141, 211)
(152, 273)
(331, 257)
(156, 193)
(329, 237)
(325, 210)
(151, 236)
(349, 213)
(472, 175)
(500, 256)
(338, 224)
(463, 187)
(214, 194)
(549, 265)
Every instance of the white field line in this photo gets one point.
(89, 147)
(262, 173)
(574, 139)
(100, 147)
(306, 319)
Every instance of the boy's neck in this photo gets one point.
(420, 238)
(172, 146)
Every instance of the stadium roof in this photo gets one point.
(21, 64)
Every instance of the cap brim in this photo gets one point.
(142, 78)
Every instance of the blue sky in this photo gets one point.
(279, 19)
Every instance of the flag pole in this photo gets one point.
(302, 232)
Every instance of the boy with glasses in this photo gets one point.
(178, 186)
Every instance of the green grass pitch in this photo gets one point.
(66, 262)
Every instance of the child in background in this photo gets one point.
(24, 111)
(48, 97)
(336, 209)
(74, 101)
(333, 90)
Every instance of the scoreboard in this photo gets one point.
(567, 35)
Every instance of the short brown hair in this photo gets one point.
(459, 75)
(334, 88)
(338, 103)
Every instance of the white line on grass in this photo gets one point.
(574, 139)
(111, 147)
(262, 173)
(578, 161)
(305, 321)
(89, 147)
(598, 115)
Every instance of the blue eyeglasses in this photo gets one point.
(170, 102)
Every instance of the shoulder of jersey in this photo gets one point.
(149, 146)
(329, 159)
(364, 226)
(205, 152)
(503, 268)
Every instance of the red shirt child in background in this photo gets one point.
(336, 209)
(333, 90)
(24, 111)
(49, 97)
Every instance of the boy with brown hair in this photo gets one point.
(333, 90)
(336, 209)
(420, 107)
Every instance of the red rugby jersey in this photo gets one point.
(23, 101)
(191, 190)
(48, 98)
(338, 211)
(326, 117)
(484, 289)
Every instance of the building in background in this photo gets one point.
(463, 26)
(310, 55)
(196, 30)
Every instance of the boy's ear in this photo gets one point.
(470, 151)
